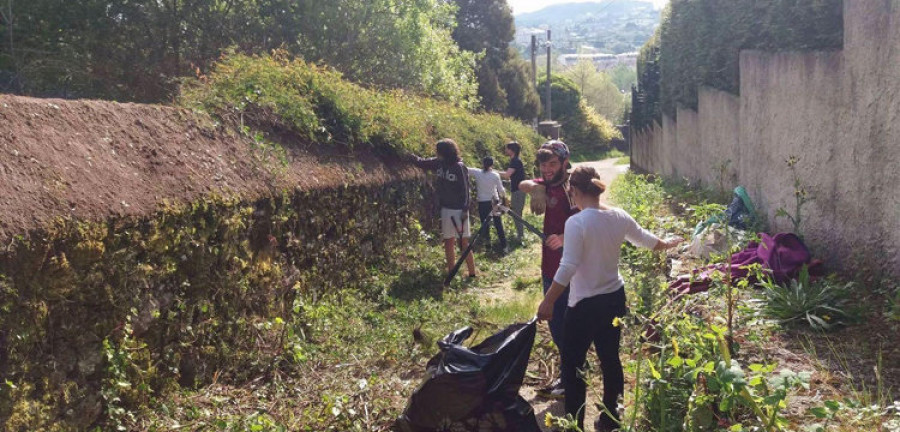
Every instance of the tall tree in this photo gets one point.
(598, 89)
(504, 81)
(582, 128)
(138, 49)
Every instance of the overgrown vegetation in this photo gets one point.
(583, 129)
(821, 304)
(687, 374)
(104, 320)
(278, 94)
(101, 319)
(504, 78)
(138, 49)
(698, 43)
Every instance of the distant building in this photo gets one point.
(601, 61)
(523, 36)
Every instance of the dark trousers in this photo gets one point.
(590, 321)
(559, 313)
(484, 211)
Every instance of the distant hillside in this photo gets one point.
(611, 26)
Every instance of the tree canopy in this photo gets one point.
(598, 89)
(504, 81)
(139, 49)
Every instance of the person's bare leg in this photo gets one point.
(470, 258)
(450, 253)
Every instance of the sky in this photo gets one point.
(522, 6)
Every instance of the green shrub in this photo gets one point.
(821, 303)
(698, 43)
(276, 93)
(583, 129)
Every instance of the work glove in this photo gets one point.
(538, 199)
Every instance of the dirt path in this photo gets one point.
(608, 171)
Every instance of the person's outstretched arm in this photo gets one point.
(425, 163)
(498, 186)
(662, 245)
(640, 237)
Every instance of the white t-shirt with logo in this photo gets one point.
(592, 242)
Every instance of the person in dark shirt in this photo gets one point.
(453, 196)
(515, 172)
(553, 158)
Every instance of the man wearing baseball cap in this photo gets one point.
(549, 197)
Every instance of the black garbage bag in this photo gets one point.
(474, 389)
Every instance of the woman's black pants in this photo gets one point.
(484, 210)
(591, 321)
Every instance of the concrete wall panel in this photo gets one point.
(838, 112)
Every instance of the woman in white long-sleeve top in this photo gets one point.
(590, 267)
(489, 188)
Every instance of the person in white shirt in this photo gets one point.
(489, 190)
(590, 267)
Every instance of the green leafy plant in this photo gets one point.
(801, 197)
(821, 304)
(561, 423)
(893, 309)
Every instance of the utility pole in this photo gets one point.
(534, 59)
(534, 73)
(549, 104)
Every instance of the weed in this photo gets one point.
(821, 304)
(801, 197)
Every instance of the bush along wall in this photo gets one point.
(698, 43)
(98, 318)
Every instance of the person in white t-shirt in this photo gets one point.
(590, 267)
(490, 189)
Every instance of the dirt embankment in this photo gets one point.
(89, 160)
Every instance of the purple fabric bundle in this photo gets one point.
(781, 255)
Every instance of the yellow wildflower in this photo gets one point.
(675, 346)
(616, 322)
(548, 420)
(826, 317)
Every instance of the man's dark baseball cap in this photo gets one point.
(558, 147)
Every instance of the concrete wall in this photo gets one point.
(718, 138)
(837, 111)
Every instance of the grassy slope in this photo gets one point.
(268, 96)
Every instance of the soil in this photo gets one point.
(90, 160)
